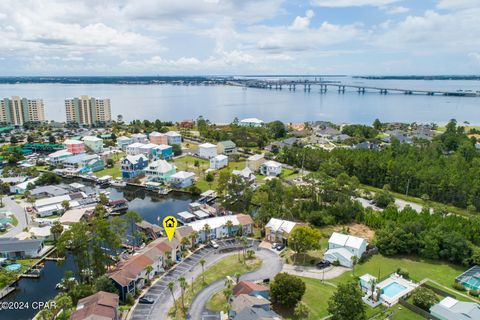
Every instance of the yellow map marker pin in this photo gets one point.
(170, 224)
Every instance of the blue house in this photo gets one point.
(163, 152)
(133, 166)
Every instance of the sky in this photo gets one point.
(242, 37)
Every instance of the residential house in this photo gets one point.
(343, 247)
(251, 122)
(207, 150)
(182, 179)
(159, 171)
(271, 168)
(99, 306)
(252, 313)
(76, 215)
(366, 145)
(162, 151)
(84, 162)
(152, 231)
(278, 230)
(186, 124)
(43, 233)
(13, 248)
(251, 288)
(74, 146)
(158, 138)
(133, 166)
(183, 232)
(452, 309)
(255, 161)
(139, 137)
(131, 275)
(51, 206)
(218, 226)
(218, 162)
(247, 174)
(226, 147)
(134, 148)
(48, 191)
(123, 142)
(245, 301)
(185, 217)
(58, 157)
(326, 132)
(173, 137)
(93, 143)
(22, 187)
(470, 279)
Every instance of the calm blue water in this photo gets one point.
(393, 289)
(222, 104)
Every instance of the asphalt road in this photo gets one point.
(272, 264)
(19, 212)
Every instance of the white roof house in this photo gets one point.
(279, 225)
(218, 162)
(452, 309)
(342, 248)
(207, 150)
(271, 168)
(50, 201)
(251, 122)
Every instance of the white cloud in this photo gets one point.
(303, 22)
(396, 10)
(458, 4)
(352, 3)
(475, 56)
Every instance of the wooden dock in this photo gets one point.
(6, 291)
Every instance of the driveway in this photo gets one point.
(19, 212)
(312, 272)
(188, 268)
(271, 265)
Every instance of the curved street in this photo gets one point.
(271, 265)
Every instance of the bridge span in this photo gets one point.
(341, 88)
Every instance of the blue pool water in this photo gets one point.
(13, 267)
(393, 289)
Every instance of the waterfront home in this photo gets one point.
(452, 309)
(226, 147)
(99, 306)
(158, 138)
(41, 233)
(182, 179)
(139, 137)
(159, 171)
(173, 137)
(152, 231)
(84, 163)
(218, 162)
(76, 215)
(93, 143)
(251, 122)
(251, 288)
(50, 206)
(207, 150)
(133, 166)
(278, 230)
(13, 248)
(48, 191)
(58, 157)
(22, 187)
(74, 146)
(343, 247)
(271, 168)
(131, 275)
(242, 223)
(185, 216)
(183, 232)
(123, 142)
(246, 174)
(162, 151)
(255, 161)
(245, 301)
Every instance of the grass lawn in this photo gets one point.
(456, 210)
(115, 172)
(228, 266)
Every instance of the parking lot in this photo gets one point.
(187, 268)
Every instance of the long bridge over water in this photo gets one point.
(341, 88)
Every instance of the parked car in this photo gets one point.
(280, 247)
(146, 300)
(214, 244)
(323, 264)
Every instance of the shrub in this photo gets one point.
(474, 293)
(424, 298)
(403, 272)
(458, 286)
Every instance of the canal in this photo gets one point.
(151, 207)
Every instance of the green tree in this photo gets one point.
(377, 124)
(346, 303)
(103, 198)
(66, 205)
(287, 290)
(424, 298)
(206, 231)
(176, 150)
(301, 311)
(170, 286)
(131, 218)
(202, 263)
(104, 283)
(56, 230)
(183, 285)
(303, 239)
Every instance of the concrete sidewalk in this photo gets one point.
(314, 273)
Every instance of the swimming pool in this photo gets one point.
(13, 267)
(393, 289)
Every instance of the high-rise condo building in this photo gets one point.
(86, 110)
(17, 111)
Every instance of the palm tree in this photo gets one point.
(183, 286)
(202, 263)
(148, 269)
(170, 286)
(354, 262)
(184, 242)
(229, 226)
(237, 276)
(56, 230)
(206, 230)
(193, 238)
(244, 245)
